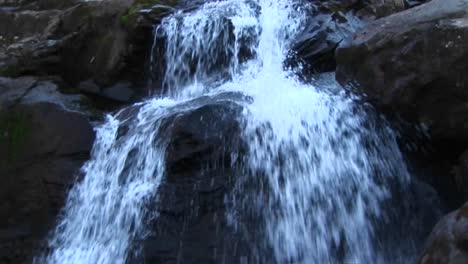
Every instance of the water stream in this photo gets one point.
(324, 166)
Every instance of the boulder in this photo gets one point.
(42, 147)
(202, 140)
(413, 63)
(329, 23)
(29, 89)
(105, 41)
(448, 242)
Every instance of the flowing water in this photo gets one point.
(323, 166)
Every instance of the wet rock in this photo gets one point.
(204, 146)
(448, 242)
(42, 148)
(156, 13)
(413, 63)
(329, 23)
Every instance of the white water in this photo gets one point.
(104, 212)
(320, 164)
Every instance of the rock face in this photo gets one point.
(329, 23)
(200, 170)
(103, 41)
(332, 22)
(42, 149)
(414, 62)
(448, 242)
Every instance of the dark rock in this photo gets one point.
(329, 23)
(200, 171)
(96, 44)
(448, 242)
(461, 175)
(89, 86)
(28, 90)
(414, 63)
(156, 12)
(77, 41)
(121, 92)
(413, 3)
(42, 147)
(381, 8)
(37, 4)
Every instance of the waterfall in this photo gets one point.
(319, 172)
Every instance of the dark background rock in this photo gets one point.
(448, 242)
(42, 149)
(104, 41)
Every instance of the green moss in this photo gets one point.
(15, 128)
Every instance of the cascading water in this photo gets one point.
(318, 174)
(105, 211)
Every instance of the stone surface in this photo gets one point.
(200, 171)
(42, 149)
(106, 41)
(330, 23)
(448, 242)
(28, 89)
(414, 63)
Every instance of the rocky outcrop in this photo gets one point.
(200, 171)
(332, 22)
(329, 23)
(414, 62)
(104, 41)
(448, 242)
(42, 148)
